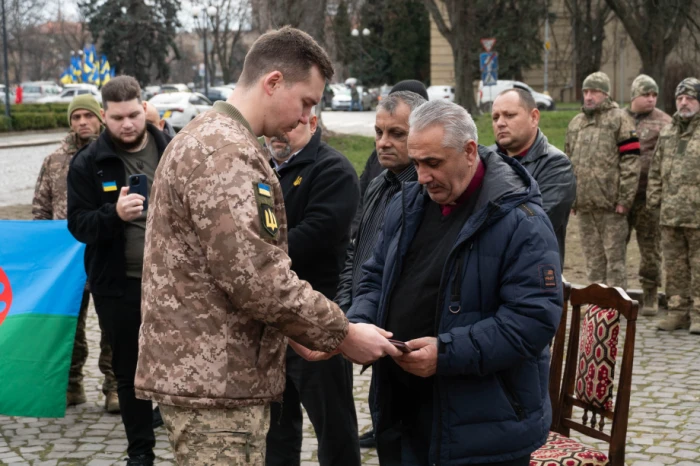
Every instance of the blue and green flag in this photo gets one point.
(42, 279)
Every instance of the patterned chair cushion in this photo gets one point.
(600, 329)
(563, 451)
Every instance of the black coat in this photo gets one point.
(321, 194)
(552, 170)
(92, 211)
(372, 170)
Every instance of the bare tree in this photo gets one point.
(459, 28)
(23, 17)
(307, 15)
(655, 28)
(232, 18)
(588, 19)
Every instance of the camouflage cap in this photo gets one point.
(597, 80)
(689, 86)
(643, 84)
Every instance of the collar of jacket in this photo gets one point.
(306, 155)
(684, 125)
(229, 110)
(105, 147)
(539, 148)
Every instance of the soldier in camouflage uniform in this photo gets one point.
(649, 122)
(50, 203)
(219, 298)
(604, 150)
(674, 191)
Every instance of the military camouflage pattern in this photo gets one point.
(217, 437)
(604, 178)
(603, 240)
(598, 81)
(690, 87)
(218, 294)
(674, 176)
(645, 222)
(643, 84)
(649, 127)
(51, 191)
(681, 247)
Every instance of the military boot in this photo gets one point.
(112, 402)
(676, 319)
(650, 300)
(75, 395)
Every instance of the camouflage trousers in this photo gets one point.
(681, 248)
(645, 223)
(80, 353)
(217, 437)
(603, 240)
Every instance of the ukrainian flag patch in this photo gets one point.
(108, 186)
(263, 190)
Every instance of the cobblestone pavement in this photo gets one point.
(19, 168)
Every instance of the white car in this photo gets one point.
(68, 94)
(179, 108)
(487, 94)
(174, 88)
(441, 92)
(342, 99)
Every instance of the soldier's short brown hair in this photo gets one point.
(289, 51)
(121, 89)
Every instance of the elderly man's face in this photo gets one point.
(391, 135)
(592, 98)
(282, 147)
(444, 171)
(687, 106)
(513, 126)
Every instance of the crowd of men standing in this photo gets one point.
(452, 249)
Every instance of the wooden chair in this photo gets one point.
(556, 364)
(589, 379)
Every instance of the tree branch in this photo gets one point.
(439, 20)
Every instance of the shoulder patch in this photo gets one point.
(529, 212)
(269, 227)
(548, 277)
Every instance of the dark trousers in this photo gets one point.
(325, 390)
(121, 319)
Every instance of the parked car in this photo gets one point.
(441, 92)
(179, 108)
(489, 93)
(342, 100)
(217, 93)
(35, 90)
(384, 91)
(68, 94)
(174, 88)
(2, 95)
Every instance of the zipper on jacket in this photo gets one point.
(510, 396)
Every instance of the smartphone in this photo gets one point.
(401, 346)
(138, 184)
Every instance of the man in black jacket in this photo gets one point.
(112, 223)
(515, 120)
(321, 194)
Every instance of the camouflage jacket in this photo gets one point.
(219, 298)
(674, 177)
(51, 191)
(649, 126)
(604, 150)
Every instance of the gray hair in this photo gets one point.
(458, 124)
(390, 102)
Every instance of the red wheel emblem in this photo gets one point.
(5, 295)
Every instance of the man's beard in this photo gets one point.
(127, 146)
(687, 114)
(280, 154)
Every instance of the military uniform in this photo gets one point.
(50, 203)
(604, 150)
(219, 298)
(643, 220)
(674, 188)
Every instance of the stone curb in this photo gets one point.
(40, 142)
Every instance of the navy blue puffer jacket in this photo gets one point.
(500, 305)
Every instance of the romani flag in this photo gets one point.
(42, 278)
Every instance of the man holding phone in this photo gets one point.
(108, 187)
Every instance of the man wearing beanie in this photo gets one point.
(604, 150)
(674, 191)
(649, 121)
(50, 203)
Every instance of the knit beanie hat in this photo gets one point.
(598, 81)
(643, 84)
(85, 102)
(690, 87)
(410, 85)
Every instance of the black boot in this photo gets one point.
(367, 440)
(140, 460)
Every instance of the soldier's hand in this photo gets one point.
(622, 210)
(311, 355)
(129, 206)
(366, 343)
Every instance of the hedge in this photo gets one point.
(35, 116)
(33, 120)
(4, 123)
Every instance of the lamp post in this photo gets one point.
(206, 14)
(356, 33)
(4, 54)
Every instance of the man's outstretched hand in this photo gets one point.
(365, 343)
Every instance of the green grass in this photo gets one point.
(553, 124)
